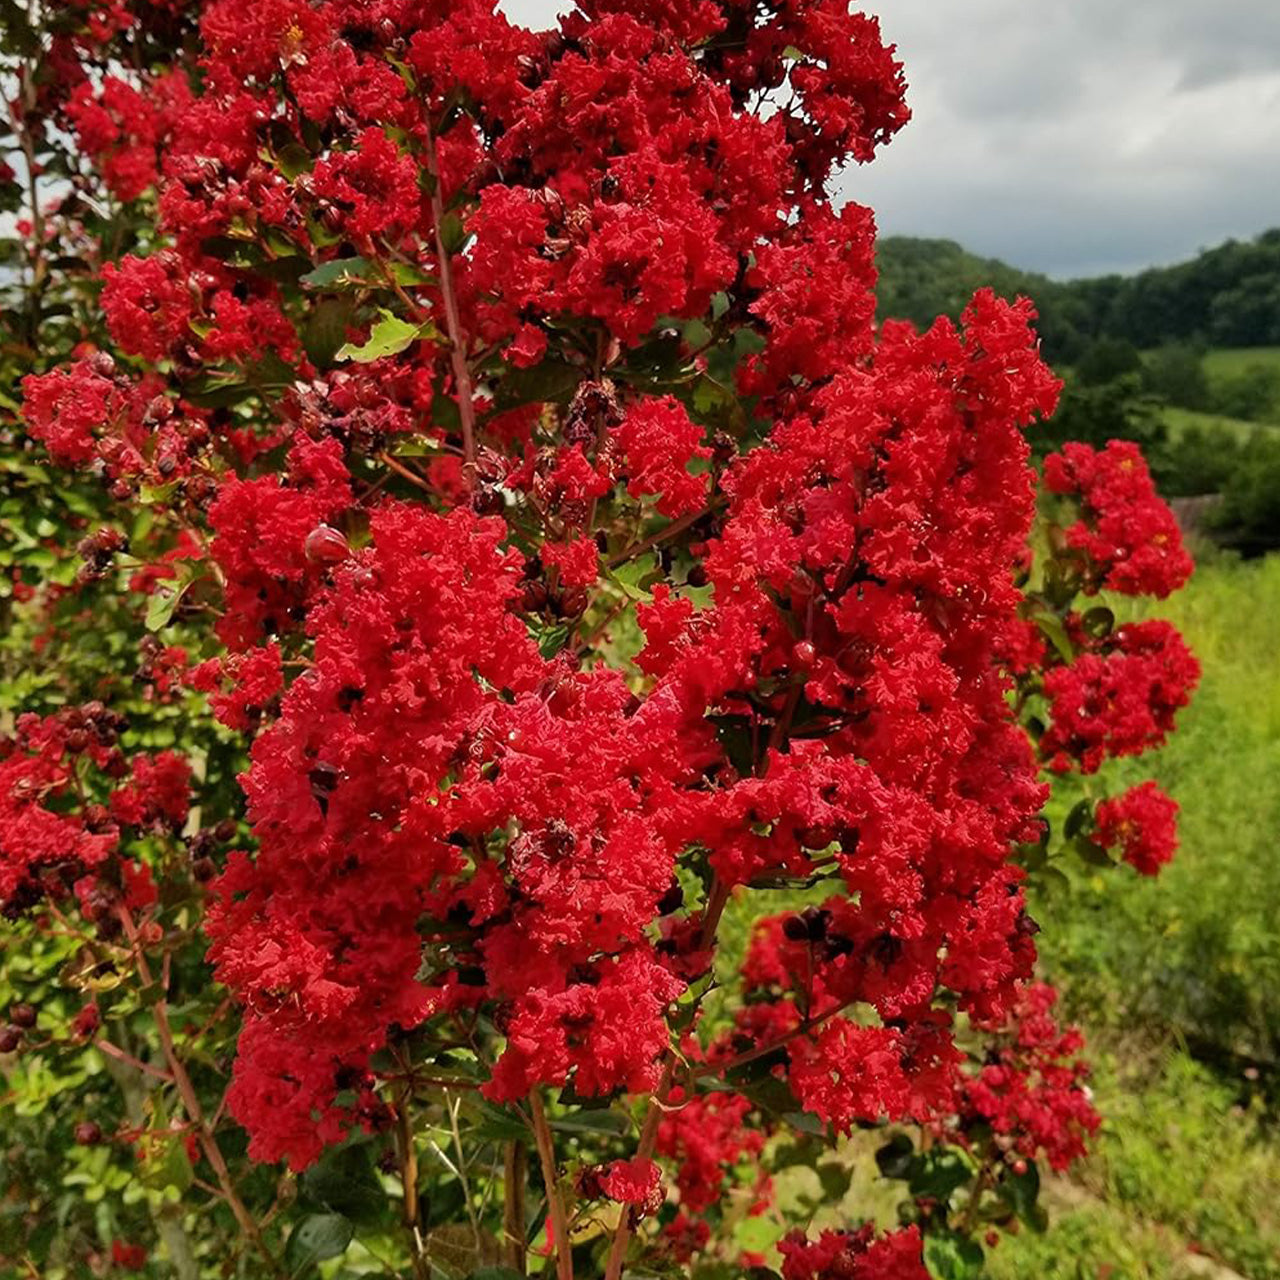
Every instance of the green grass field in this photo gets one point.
(1229, 361)
(1179, 421)
(1239, 389)
(1226, 366)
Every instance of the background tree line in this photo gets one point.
(1228, 296)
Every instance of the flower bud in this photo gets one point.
(88, 1133)
(22, 1015)
(325, 545)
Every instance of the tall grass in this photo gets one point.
(1198, 952)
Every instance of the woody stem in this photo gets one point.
(191, 1104)
(409, 1183)
(515, 1171)
(547, 1157)
(453, 322)
(717, 899)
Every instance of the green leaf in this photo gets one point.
(495, 1273)
(606, 1122)
(757, 1234)
(952, 1257)
(316, 1239)
(1099, 622)
(550, 381)
(171, 1169)
(498, 1124)
(453, 233)
(1079, 820)
(336, 274)
(630, 575)
(293, 160)
(157, 495)
(835, 1178)
(1022, 1191)
(406, 273)
(162, 603)
(411, 446)
(551, 639)
(229, 386)
(1052, 881)
(345, 1182)
(388, 337)
(1091, 854)
(804, 1122)
(1051, 625)
(713, 400)
(326, 330)
(939, 1172)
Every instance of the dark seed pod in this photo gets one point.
(88, 1133)
(816, 921)
(22, 1015)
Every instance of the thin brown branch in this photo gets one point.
(725, 1065)
(453, 322)
(114, 1051)
(401, 470)
(409, 1181)
(515, 1172)
(555, 1203)
(670, 531)
(191, 1104)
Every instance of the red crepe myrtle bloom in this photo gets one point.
(132, 1257)
(454, 338)
(1032, 1089)
(1127, 531)
(1142, 824)
(857, 1255)
(1120, 700)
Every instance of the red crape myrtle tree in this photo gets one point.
(641, 689)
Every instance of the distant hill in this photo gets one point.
(1228, 296)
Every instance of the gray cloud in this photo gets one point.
(1079, 137)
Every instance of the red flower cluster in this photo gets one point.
(635, 1182)
(854, 1255)
(1119, 698)
(131, 1257)
(1127, 533)
(1030, 1091)
(1142, 824)
(53, 836)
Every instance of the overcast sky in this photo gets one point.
(1078, 137)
